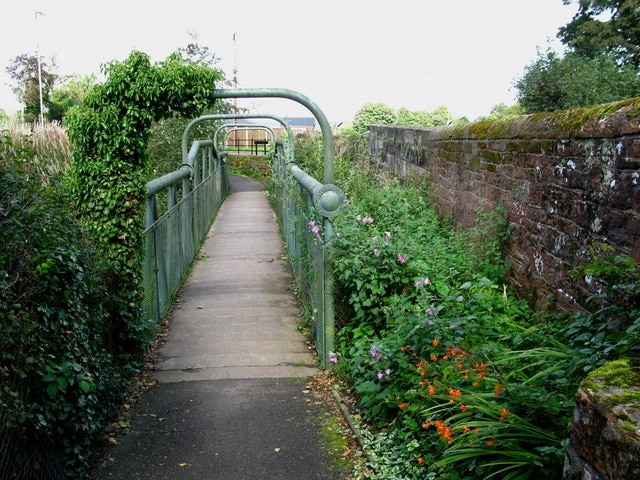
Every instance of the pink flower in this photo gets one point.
(402, 258)
(333, 357)
(375, 353)
(315, 229)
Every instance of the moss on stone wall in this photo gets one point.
(571, 123)
(616, 387)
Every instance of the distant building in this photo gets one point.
(299, 125)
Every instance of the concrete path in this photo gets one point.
(231, 401)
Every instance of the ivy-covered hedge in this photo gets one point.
(109, 135)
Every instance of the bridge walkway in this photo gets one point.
(231, 400)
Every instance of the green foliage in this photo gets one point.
(109, 133)
(502, 110)
(69, 94)
(454, 377)
(612, 327)
(438, 118)
(381, 114)
(600, 66)
(373, 114)
(60, 386)
(555, 83)
(605, 26)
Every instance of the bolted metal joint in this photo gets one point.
(328, 199)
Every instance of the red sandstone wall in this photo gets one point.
(569, 180)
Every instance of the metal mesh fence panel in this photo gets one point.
(306, 251)
(174, 239)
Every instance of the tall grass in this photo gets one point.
(42, 149)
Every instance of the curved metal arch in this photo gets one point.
(231, 116)
(233, 127)
(325, 128)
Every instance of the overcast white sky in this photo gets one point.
(416, 54)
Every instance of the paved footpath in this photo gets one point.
(230, 402)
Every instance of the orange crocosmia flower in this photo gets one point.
(432, 390)
(403, 405)
(434, 358)
(475, 384)
(497, 389)
(466, 429)
(423, 383)
(491, 442)
(454, 393)
(463, 407)
(444, 431)
(503, 414)
(436, 342)
(426, 425)
(421, 460)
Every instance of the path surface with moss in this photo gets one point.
(231, 399)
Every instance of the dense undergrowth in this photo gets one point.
(454, 376)
(72, 332)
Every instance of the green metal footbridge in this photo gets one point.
(182, 205)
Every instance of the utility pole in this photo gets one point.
(39, 70)
(235, 84)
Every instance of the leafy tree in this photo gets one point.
(164, 145)
(590, 35)
(419, 118)
(23, 70)
(69, 94)
(373, 114)
(197, 53)
(502, 110)
(553, 82)
(439, 117)
(601, 65)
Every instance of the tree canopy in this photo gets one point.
(605, 26)
(601, 64)
(70, 94)
(554, 82)
(28, 74)
(381, 114)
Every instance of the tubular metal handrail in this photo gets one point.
(194, 193)
(327, 199)
(202, 164)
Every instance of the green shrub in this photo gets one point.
(59, 383)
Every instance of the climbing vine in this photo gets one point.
(109, 134)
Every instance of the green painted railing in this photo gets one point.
(194, 192)
(174, 231)
(305, 207)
